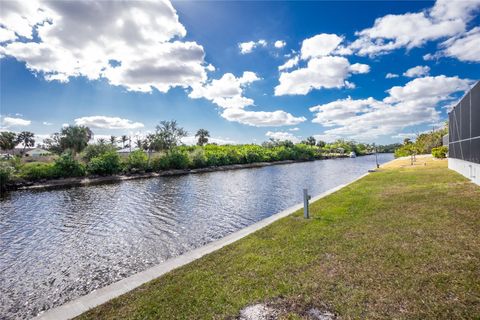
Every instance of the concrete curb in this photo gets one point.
(80, 305)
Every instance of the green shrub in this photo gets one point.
(107, 163)
(137, 160)
(160, 163)
(38, 170)
(404, 151)
(15, 162)
(198, 158)
(178, 159)
(95, 150)
(173, 159)
(440, 152)
(6, 173)
(303, 152)
(66, 166)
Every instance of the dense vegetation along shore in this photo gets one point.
(399, 243)
(84, 181)
(70, 156)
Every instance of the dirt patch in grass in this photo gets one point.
(285, 309)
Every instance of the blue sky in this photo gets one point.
(122, 68)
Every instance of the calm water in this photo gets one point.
(61, 244)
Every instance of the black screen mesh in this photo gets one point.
(464, 127)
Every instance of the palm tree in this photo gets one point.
(123, 139)
(202, 135)
(75, 138)
(8, 140)
(113, 139)
(102, 141)
(311, 141)
(139, 144)
(27, 139)
(167, 135)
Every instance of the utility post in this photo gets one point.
(306, 198)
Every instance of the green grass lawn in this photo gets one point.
(400, 243)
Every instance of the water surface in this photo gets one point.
(58, 245)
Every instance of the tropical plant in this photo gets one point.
(137, 160)
(52, 144)
(94, 150)
(27, 139)
(75, 138)
(104, 164)
(102, 141)
(8, 140)
(66, 166)
(310, 141)
(440, 152)
(177, 159)
(6, 173)
(38, 170)
(113, 140)
(168, 135)
(123, 139)
(202, 135)
(198, 158)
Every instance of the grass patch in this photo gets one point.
(400, 243)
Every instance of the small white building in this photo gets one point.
(126, 151)
(37, 152)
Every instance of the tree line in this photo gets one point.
(425, 143)
(76, 156)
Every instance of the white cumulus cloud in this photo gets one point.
(227, 93)
(104, 122)
(134, 44)
(445, 19)
(279, 44)
(412, 104)
(465, 47)
(320, 45)
(7, 122)
(247, 47)
(391, 75)
(324, 72)
(418, 71)
(292, 62)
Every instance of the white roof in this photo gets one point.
(127, 150)
(38, 150)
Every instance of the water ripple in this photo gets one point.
(61, 244)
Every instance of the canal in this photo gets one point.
(58, 245)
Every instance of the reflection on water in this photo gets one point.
(61, 244)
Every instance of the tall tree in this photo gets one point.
(75, 138)
(102, 141)
(27, 139)
(167, 135)
(311, 141)
(8, 140)
(139, 144)
(113, 140)
(123, 139)
(202, 135)
(52, 144)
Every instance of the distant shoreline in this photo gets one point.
(89, 181)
